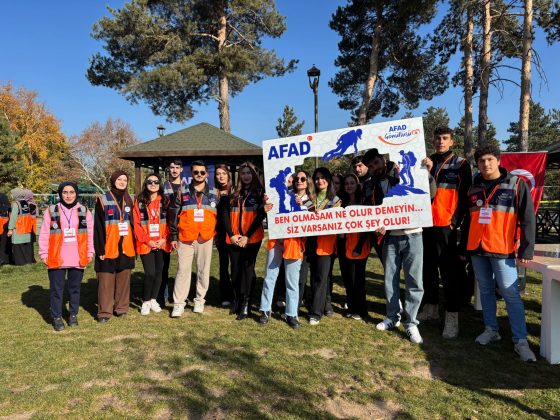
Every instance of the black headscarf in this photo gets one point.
(120, 194)
(4, 205)
(61, 187)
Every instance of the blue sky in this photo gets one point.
(46, 47)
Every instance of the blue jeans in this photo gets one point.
(273, 261)
(502, 272)
(405, 251)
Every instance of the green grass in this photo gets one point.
(211, 366)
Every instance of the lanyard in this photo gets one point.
(199, 202)
(155, 215)
(63, 212)
(118, 206)
(487, 199)
(441, 167)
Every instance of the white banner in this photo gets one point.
(406, 205)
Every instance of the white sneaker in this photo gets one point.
(524, 351)
(281, 304)
(198, 306)
(314, 321)
(429, 313)
(145, 308)
(154, 306)
(488, 336)
(387, 324)
(178, 310)
(451, 329)
(226, 303)
(414, 335)
(401, 309)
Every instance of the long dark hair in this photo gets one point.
(144, 196)
(328, 177)
(344, 195)
(229, 185)
(256, 188)
(310, 190)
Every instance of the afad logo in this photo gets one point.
(399, 135)
(291, 149)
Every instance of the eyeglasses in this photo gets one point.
(152, 182)
(301, 179)
(199, 173)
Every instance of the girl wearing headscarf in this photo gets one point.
(113, 242)
(22, 226)
(66, 248)
(5, 209)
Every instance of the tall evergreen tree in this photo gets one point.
(288, 124)
(11, 157)
(383, 62)
(433, 118)
(543, 129)
(173, 54)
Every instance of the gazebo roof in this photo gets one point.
(200, 140)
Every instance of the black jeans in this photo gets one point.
(319, 265)
(354, 274)
(226, 289)
(165, 293)
(243, 274)
(440, 260)
(57, 277)
(153, 268)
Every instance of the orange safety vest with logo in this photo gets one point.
(293, 247)
(191, 225)
(114, 215)
(326, 244)
(242, 214)
(448, 182)
(352, 240)
(500, 235)
(168, 188)
(26, 221)
(145, 221)
(56, 238)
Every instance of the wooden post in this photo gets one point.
(137, 178)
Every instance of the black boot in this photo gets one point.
(265, 316)
(292, 322)
(58, 325)
(244, 311)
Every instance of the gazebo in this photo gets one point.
(201, 141)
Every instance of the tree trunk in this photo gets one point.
(373, 69)
(525, 104)
(223, 81)
(468, 88)
(485, 75)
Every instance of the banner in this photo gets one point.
(406, 205)
(531, 167)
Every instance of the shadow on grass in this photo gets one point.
(38, 298)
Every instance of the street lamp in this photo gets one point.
(313, 74)
(160, 130)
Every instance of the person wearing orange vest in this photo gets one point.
(113, 241)
(22, 226)
(320, 248)
(502, 228)
(66, 248)
(453, 177)
(5, 209)
(243, 216)
(192, 226)
(151, 233)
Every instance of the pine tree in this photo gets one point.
(288, 124)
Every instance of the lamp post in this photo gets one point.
(160, 130)
(313, 74)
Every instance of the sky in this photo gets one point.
(46, 47)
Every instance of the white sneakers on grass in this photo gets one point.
(451, 328)
(198, 306)
(387, 324)
(154, 306)
(524, 351)
(178, 310)
(414, 335)
(488, 336)
(145, 308)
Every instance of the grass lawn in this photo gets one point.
(212, 366)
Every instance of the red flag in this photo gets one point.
(531, 167)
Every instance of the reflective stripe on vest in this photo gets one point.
(448, 183)
(56, 237)
(500, 235)
(113, 216)
(247, 211)
(141, 247)
(189, 229)
(26, 221)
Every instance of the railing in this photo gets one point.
(548, 219)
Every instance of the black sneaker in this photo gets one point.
(292, 322)
(73, 321)
(58, 324)
(265, 316)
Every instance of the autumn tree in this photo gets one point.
(384, 63)
(95, 151)
(288, 124)
(41, 140)
(11, 157)
(173, 54)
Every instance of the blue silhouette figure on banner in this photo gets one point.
(345, 141)
(406, 187)
(294, 206)
(279, 184)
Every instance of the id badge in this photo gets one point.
(69, 235)
(154, 230)
(485, 215)
(123, 229)
(199, 215)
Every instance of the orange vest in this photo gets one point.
(114, 215)
(26, 221)
(189, 227)
(3, 221)
(326, 244)
(56, 237)
(242, 215)
(352, 240)
(141, 247)
(293, 247)
(500, 235)
(448, 182)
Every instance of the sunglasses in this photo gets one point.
(152, 182)
(302, 179)
(199, 173)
